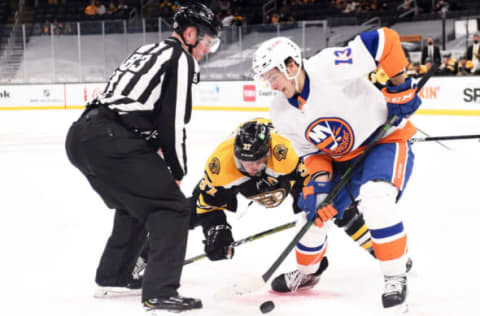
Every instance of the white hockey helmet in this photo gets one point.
(274, 53)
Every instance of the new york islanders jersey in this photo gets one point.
(338, 109)
(222, 181)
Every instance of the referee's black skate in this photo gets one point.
(175, 304)
(296, 280)
(395, 293)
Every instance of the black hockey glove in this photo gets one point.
(217, 243)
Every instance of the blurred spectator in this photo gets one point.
(53, 2)
(465, 67)
(112, 8)
(335, 3)
(473, 52)
(416, 70)
(430, 50)
(428, 63)
(37, 29)
(441, 6)
(228, 18)
(68, 28)
(122, 5)
(101, 10)
(91, 9)
(57, 27)
(166, 8)
(237, 19)
(176, 5)
(291, 18)
(448, 66)
(351, 7)
(275, 18)
(122, 10)
(407, 5)
(46, 27)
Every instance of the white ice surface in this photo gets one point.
(53, 229)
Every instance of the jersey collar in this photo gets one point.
(299, 99)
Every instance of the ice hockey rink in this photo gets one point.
(53, 229)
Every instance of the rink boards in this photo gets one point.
(441, 96)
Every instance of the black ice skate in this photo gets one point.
(296, 280)
(395, 292)
(131, 288)
(175, 304)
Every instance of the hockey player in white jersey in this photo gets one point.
(330, 112)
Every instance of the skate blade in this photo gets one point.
(401, 309)
(165, 312)
(113, 292)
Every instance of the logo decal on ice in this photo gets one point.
(333, 136)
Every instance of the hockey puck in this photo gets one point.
(267, 307)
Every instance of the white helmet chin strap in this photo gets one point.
(295, 78)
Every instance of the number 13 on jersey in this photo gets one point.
(343, 56)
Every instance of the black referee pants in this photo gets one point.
(134, 180)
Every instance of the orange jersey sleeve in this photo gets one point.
(385, 47)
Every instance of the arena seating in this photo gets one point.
(252, 11)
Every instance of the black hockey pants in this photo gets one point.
(132, 178)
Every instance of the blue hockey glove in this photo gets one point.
(402, 100)
(312, 195)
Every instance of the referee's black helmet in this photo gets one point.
(197, 15)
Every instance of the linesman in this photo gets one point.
(130, 144)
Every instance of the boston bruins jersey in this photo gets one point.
(222, 181)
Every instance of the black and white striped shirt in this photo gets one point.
(152, 93)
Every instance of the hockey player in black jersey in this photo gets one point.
(130, 144)
(262, 166)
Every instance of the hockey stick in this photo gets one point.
(438, 142)
(240, 215)
(437, 138)
(246, 240)
(257, 283)
(141, 263)
(427, 75)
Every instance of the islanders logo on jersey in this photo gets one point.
(333, 136)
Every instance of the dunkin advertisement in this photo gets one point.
(450, 93)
